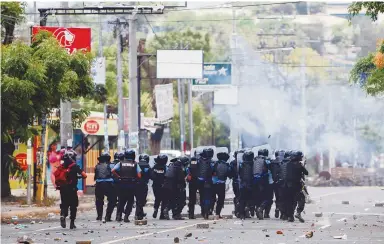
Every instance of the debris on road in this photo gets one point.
(57, 239)
(188, 235)
(318, 215)
(343, 219)
(51, 215)
(141, 222)
(15, 218)
(345, 202)
(40, 222)
(379, 204)
(33, 222)
(309, 234)
(343, 237)
(83, 242)
(202, 226)
(176, 240)
(279, 232)
(324, 227)
(24, 239)
(229, 216)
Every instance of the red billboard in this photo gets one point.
(72, 39)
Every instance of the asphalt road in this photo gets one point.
(359, 222)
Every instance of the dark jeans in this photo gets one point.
(105, 189)
(219, 191)
(126, 198)
(236, 191)
(258, 195)
(192, 191)
(300, 200)
(205, 190)
(69, 199)
(268, 197)
(245, 200)
(290, 196)
(159, 197)
(141, 198)
(174, 199)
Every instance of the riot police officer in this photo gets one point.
(157, 175)
(128, 171)
(142, 186)
(298, 181)
(192, 185)
(274, 168)
(174, 188)
(234, 175)
(260, 174)
(205, 172)
(268, 192)
(104, 187)
(246, 179)
(221, 171)
(283, 177)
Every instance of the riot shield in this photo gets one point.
(201, 148)
(264, 146)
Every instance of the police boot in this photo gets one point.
(191, 213)
(99, 210)
(126, 218)
(252, 212)
(247, 213)
(277, 212)
(283, 217)
(108, 217)
(63, 222)
(298, 216)
(266, 213)
(154, 215)
(119, 216)
(72, 224)
(177, 217)
(291, 219)
(165, 215)
(259, 213)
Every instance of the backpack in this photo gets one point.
(61, 175)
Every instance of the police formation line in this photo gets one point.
(256, 181)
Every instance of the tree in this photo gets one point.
(11, 14)
(34, 80)
(373, 9)
(171, 40)
(369, 70)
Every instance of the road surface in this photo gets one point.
(358, 222)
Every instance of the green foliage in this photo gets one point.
(373, 9)
(363, 65)
(11, 14)
(35, 78)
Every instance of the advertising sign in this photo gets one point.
(72, 39)
(216, 75)
(164, 101)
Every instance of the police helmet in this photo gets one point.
(116, 156)
(184, 160)
(161, 159)
(223, 156)
(248, 156)
(287, 154)
(120, 156)
(298, 155)
(207, 153)
(260, 152)
(69, 156)
(144, 157)
(265, 152)
(104, 157)
(130, 154)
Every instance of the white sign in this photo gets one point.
(226, 96)
(98, 70)
(164, 101)
(179, 64)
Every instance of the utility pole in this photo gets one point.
(354, 127)
(100, 55)
(119, 77)
(66, 130)
(303, 107)
(234, 135)
(181, 104)
(133, 96)
(190, 110)
(183, 112)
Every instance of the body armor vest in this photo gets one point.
(259, 165)
(103, 171)
(246, 173)
(221, 169)
(128, 170)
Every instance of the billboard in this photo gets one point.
(72, 39)
(179, 64)
(164, 101)
(216, 75)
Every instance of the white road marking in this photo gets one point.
(357, 214)
(366, 209)
(158, 232)
(324, 227)
(339, 220)
(50, 228)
